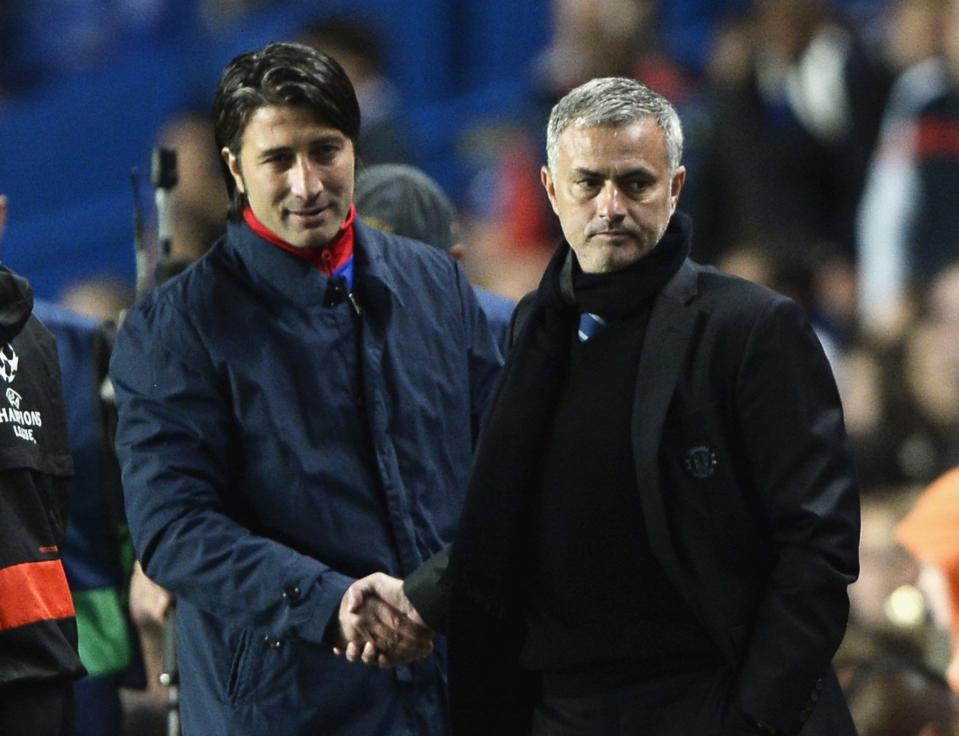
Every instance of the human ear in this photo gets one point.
(233, 164)
(676, 186)
(549, 186)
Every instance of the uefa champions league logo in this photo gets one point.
(8, 363)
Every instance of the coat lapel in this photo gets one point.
(671, 327)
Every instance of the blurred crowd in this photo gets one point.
(822, 148)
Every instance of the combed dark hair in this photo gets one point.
(285, 75)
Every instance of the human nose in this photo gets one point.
(610, 204)
(305, 181)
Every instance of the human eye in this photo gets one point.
(636, 185)
(277, 159)
(586, 183)
(327, 150)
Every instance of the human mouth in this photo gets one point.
(614, 234)
(309, 216)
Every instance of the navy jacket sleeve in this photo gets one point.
(485, 358)
(173, 445)
(790, 419)
(424, 585)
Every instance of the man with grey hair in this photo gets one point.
(662, 518)
(613, 101)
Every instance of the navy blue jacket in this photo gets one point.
(265, 467)
(499, 313)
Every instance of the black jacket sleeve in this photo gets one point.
(806, 493)
(428, 593)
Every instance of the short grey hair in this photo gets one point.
(612, 102)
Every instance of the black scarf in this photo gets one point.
(489, 544)
(489, 692)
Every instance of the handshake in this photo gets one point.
(377, 625)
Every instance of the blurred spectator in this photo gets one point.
(886, 615)
(936, 220)
(197, 209)
(593, 38)
(8, 35)
(834, 287)
(910, 231)
(892, 697)
(103, 299)
(788, 138)
(146, 708)
(505, 215)
(933, 363)
(198, 202)
(221, 14)
(892, 439)
(688, 27)
(892, 191)
(929, 532)
(901, 393)
(789, 269)
(943, 316)
(405, 201)
(55, 39)
(359, 49)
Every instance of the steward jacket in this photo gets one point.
(275, 446)
(932, 229)
(96, 550)
(38, 630)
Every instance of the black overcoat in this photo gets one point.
(750, 504)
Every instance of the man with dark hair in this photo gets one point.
(662, 518)
(297, 410)
(38, 628)
(404, 200)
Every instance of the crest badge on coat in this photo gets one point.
(700, 461)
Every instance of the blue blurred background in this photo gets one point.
(94, 82)
(88, 85)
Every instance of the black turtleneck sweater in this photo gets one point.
(601, 612)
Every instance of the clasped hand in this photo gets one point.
(379, 626)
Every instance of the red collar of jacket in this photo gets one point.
(328, 258)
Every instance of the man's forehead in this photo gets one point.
(272, 121)
(640, 139)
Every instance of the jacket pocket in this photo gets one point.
(263, 667)
(239, 667)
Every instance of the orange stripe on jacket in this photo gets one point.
(33, 591)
